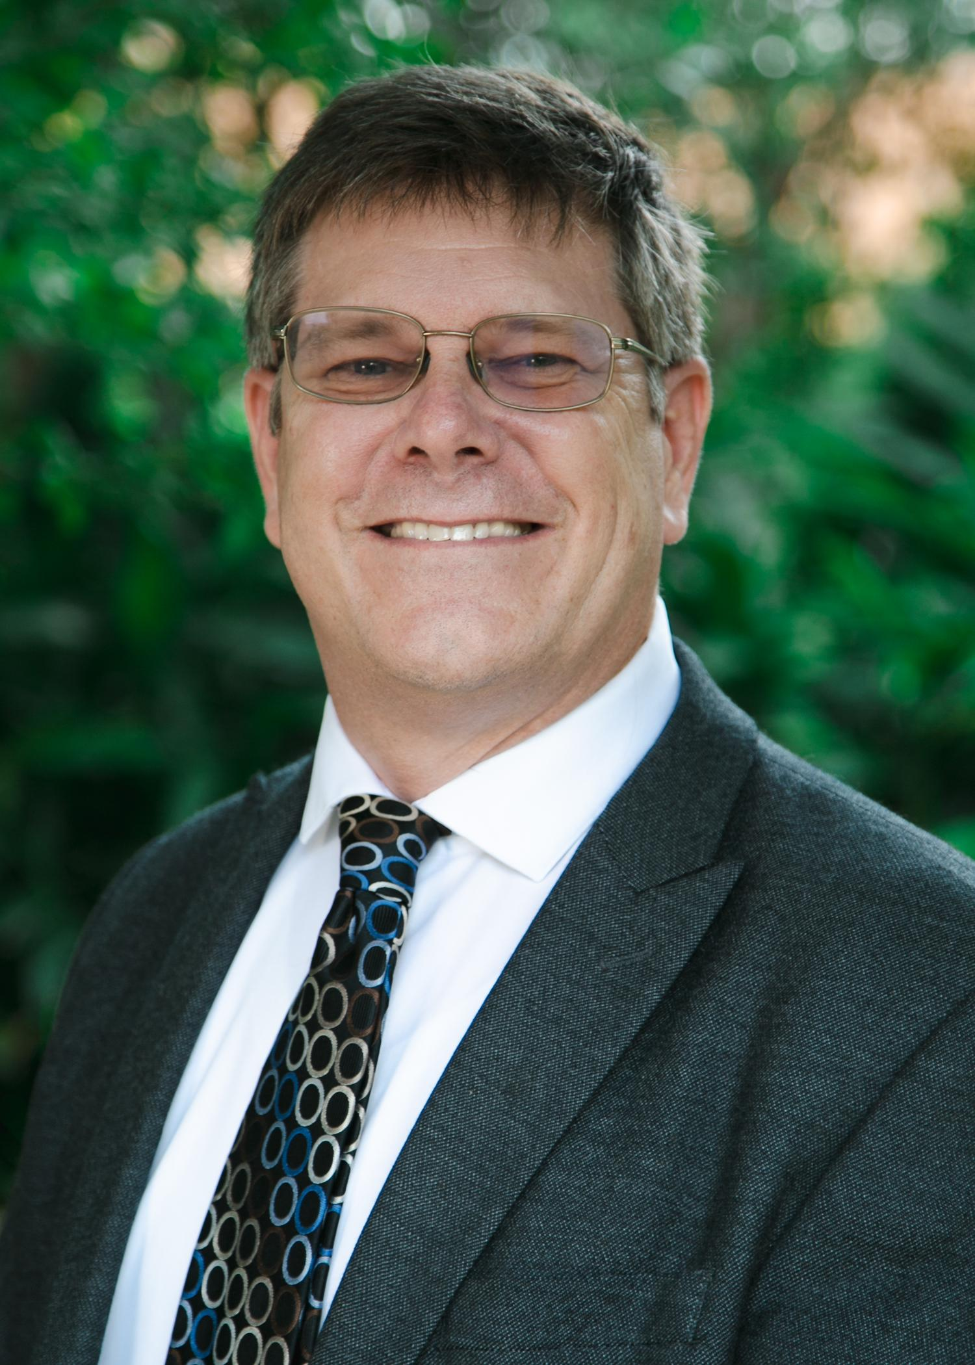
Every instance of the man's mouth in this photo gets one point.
(465, 530)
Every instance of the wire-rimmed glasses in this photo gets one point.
(549, 362)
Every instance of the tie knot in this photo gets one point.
(383, 843)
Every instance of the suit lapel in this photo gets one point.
(121, 1139)
(599, 957)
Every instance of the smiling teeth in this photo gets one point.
(470, 530)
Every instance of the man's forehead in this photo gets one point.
(541, 221)
(375, 239)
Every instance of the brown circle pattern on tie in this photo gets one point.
(256, 1283)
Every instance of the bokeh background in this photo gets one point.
(152, 652)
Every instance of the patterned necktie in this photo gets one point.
(254, 1290)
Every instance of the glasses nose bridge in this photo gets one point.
(445, 332)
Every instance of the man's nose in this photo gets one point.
(448, 418)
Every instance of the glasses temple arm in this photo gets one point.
(628, 344)
(279, 334)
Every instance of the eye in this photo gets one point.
(534, 369)
(367, 366)
(539, 360)
(364, 372)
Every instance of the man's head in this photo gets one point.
(452, 196)
(466, 137)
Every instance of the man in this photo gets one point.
(677, 1063)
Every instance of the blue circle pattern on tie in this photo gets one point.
(256, 1283)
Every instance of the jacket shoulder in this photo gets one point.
(199, 884)
(165, 875)
(210, 827)
(211, 834)
(844, 840)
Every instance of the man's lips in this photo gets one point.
(495, 528)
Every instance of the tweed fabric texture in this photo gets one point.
(256, 1281)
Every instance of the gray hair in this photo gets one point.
(472, 137)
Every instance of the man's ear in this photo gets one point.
(685, 422)
(259, 386)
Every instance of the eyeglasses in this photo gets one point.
(549, 362)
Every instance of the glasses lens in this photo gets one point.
(354, 355)
(539, 361)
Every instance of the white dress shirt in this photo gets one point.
(517, 819)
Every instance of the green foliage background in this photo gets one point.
(153, 652)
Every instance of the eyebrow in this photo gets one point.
(360, 328)
(536, 323)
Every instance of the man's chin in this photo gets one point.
(451, 662)
(461, 677)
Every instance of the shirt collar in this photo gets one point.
(528, 805)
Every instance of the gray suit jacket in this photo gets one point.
(718, 1108)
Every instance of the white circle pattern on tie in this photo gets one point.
(255, 1287)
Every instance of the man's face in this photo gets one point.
(552, 612)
